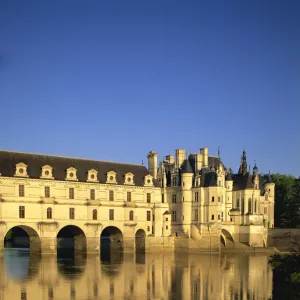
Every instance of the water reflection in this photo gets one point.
(135, 276)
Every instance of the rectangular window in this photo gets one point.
(72, 213)
(174, 198)
(21, 212)
(265, 210)
(21, 190)
(162, 198)
(212, 217)
(212, 199)
(111, 214)
(148, 198)
(47, 191)
(148, 228)
(153, 217)
(71, 193)
(148, 215)
(219, 199)
(196, 215)
(129, 196)
(92, 194)
(111, 195)
(196, 197)
(219, 217)
(174, 215)
(167, 227)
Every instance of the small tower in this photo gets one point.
(255, 177)
(152, 163)
(229, 182)
(270, 186)
(187, 175)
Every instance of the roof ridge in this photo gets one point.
(70, 157)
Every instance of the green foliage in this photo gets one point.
(286, 270)
(287, 200)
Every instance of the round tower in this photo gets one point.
(187, 175)
(270, 186)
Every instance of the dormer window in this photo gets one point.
(92, 176)
(21, 170)
(148, 181)
(71, 174)
(111, 177)
(129, 178)
(47, 172)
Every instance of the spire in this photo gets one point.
(255, 169)
(219, 151)
(243, 165)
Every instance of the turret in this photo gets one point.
(270, 186)
(255, 177)
(229, 182)
(187, 174)
(152, 163)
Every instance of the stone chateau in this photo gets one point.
(182, 203)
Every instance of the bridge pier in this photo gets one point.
(48, 245)
(93, 245)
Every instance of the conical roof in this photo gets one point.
(186, 167)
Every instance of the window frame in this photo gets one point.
(71, 213)
(47, 192)
(111, 214)
(21, 190)
(71, 193)
(49, 213)
(21, 212)
(92, 194)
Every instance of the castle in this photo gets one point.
(184, 202)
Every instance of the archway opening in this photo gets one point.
(23, 237)
(226, 239)
(111, 240)
(71, 238)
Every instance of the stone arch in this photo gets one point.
(226, 238)
(26, 236)
(114, 238)
(71, 237)
(140, 240)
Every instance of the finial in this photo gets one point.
(219, 151)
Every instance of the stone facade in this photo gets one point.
(182, 203)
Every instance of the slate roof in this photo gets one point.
(34, 162)
(242, 182)
(186, 167)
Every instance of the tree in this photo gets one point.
(287, 200)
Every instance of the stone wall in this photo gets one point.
(283, 238)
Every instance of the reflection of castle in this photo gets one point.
(152, 276)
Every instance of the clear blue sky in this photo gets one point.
(112, 80)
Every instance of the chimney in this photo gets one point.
(170, 159)
(152, 163)
(204, 152)
(180, 156)
(199, 161)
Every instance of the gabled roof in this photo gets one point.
(9, 159)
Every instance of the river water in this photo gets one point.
(135, 276)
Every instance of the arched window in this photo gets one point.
(49, 213)
(131, 215)
(94, 214)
